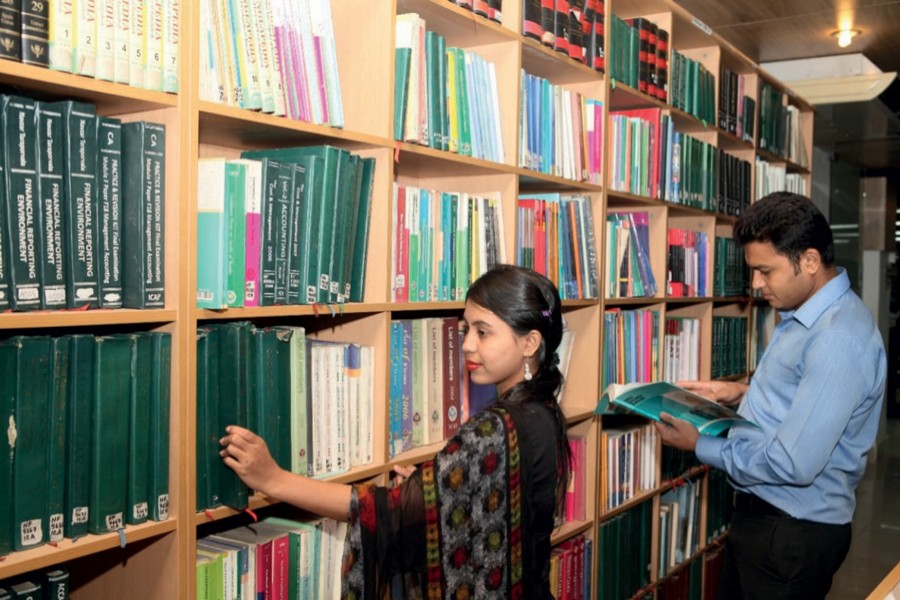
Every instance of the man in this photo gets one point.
(816, 397)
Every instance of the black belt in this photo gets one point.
(752, 505)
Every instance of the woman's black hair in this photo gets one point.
(790, 222)
(526, 300)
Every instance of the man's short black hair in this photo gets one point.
(790, 222)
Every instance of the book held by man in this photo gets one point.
(651, 399)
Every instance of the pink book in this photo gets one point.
(280, 571)
(322, 84)
(252, 233)
(285, 67)
(401, 249)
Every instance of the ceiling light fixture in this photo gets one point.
(845, 36)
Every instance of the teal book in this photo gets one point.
(297, 414)
(160, 401)
(79, 194)
(137, 494)
(270, 387)
(212, 233)
(4, 243)
(79, 399)
(360, 249)
(23, 213)
(109, 211)
(143, 214)
(343, 217)
(401, 79)
(281, 215)
(311, 225)
(9, 362)
(235, 371)
(295, 233)
(270, 180)
(56, 584)
(235, 227)
(33, 390)
(208, 434)
(110, 413)
(56, 447)
(350, 224)
(51, 172)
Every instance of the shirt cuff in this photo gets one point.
(709, 451)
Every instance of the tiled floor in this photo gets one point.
(876, 525)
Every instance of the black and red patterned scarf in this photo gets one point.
(453, 530)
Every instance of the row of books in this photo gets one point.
(730, 341)
(283, 226)
(679, 525)
(629, 463)
(775, 178)
(275, 558)
(625, 553)
(574, 28)
(675, 463)
(631, 343)
(731, 276)
(734, 184)
(560, 131)
(684, 584)
(135, 42)
(53, 584)
(737, 111)
(311, 400)
(779, 126)
(649, 158)
(687, 260)
(491, 9)
(762, 327)
(275, 56)
(638, 56)
(681, 349)
(692, 88)
(570, 569)
(719, 504)
(91, 448)
(628, 273)
(444, 98)
(82, 208)
(442, 242)
(555, 237)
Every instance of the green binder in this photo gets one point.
(56, 460)
(137, 495)
(79, 399)
(208, 434)
(8, 368)
(160, 393)
(235, 368)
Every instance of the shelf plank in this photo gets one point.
(83, 318)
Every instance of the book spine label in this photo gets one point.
(109, 189)
(50, 170)
(80, 160)
(11, 29)
(122, 41)
(86, 41)
(23, 212)
(153, 36)
(106, 40)
(171, 45)
(35, 32)
(62, 34)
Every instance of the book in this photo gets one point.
(11, 29)
(109, 211)
(56, 438)
(79, 393)
(208, 434)
(8, 367)
(51, 171)
(158, 424)
(138, 471)
(650, 399)
(35, 32)
(143, 214)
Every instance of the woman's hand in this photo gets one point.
(248, 456)
(402, 473)
(728, 393)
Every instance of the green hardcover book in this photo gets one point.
(79, 194)
(235, 371)
(208, 434)
(328, 202)
(56, 461)
(360, 250)
(236, 225)
(340, 232)
(33, 391)
(351, 222)
(51, 171)
(56, 584)
(312, 225)
(295, 233)
(401, 79)
(143, 214)
(4, 243)
(137, 494)
(270, 387)
(36, 34)
(109, 211)
(270, 173)
(8, 367)
(160, 396)
(462, 102)
(79, 399)
(110, 408)
(26, 590)
(23, 213)
(281, 215)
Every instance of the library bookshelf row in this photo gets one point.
(157, 559)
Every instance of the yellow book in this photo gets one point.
(452, 106)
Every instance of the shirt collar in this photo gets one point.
(810, 310)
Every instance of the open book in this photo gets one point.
(650, 399)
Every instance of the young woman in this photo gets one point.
(476, 520)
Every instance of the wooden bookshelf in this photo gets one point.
(157, 560)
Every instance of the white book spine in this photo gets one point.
(153, 36)
(122, 41)
(62, 35)
(269, 18)
(106, 27)
(262, 38)
(137, 64)
(171, 45)
(247, 59)
(86, 37)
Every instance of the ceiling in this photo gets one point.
(867, 134)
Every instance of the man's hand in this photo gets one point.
(677, 432)
(728, 393)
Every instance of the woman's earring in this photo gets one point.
(528, 374)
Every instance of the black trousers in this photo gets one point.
(772, 556)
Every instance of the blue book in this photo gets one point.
(395, 421)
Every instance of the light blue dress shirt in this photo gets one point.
(816, 396)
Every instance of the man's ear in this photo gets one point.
(810, 261)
